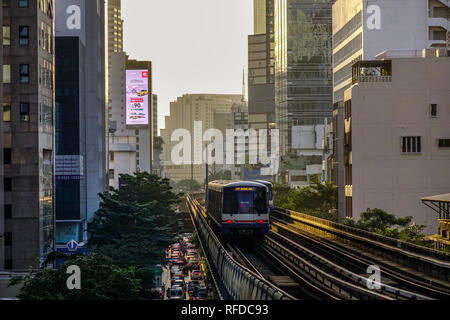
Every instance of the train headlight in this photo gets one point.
(261, 221)
(229, 221)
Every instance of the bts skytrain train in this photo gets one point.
(239, 207)
(269, 186)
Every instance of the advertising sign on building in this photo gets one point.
(69, 167)
(137, 98)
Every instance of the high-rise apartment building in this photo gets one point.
(261, 67)
(27, 221)
(259, 16)
(80, 166)
(130, 111)
(155, 131)
(130, 117)
(362, 29)
(303, 77)
(213, 110)
(397, 135)
(115, 26)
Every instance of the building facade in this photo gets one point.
(397, 135)
(27, 223)
(362, 29)
(261, 69)
(130, 144)
(80, 165)
(213, 110)
(303, 83)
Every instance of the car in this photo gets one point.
(191, 256)
(200, 293)
(192, 284)
(179, 283)
(177, 280)
(190, 246)
(195, 267)
(176, 293)
(176, 269)
(196, 275)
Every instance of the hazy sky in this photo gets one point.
(196, 46)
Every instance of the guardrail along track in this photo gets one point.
(356, 252)
(233, 280)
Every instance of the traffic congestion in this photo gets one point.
(184, 273)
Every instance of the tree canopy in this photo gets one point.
(101, 279)
(136, 222)
(386, 224)
(318, 199)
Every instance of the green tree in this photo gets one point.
(389, 225)
(186, 185)
(101, 279)
(281, 194)
(135, 223)
(377, 220)
(220, 175)
(318, 199)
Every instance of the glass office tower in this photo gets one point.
(303, 69)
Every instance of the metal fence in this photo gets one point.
(233, 281)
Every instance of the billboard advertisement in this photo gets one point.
(137, 98)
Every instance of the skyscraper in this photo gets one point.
(27, 225)
(115, 26)
(80, 116)
(213, 110)
(259, 16)
(261, 70)
(303, 77)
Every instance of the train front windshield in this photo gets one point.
(245, 200)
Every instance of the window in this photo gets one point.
(6, 35)
(433, 110)
(7, 184)
(7, 156)
(24, 73)
(23, 3)
(7, 112)
(444, 143)
(411, 144)
(8, 239)
(111, 173)
(6, 73)
(23, 35)
(8, 211)
(24, 112)
(6, 3)
(112, 156)
(8, 264)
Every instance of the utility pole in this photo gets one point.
(192, 179)
(207, 180)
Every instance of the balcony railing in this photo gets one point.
(362, 78)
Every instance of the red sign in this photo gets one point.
(145, 74)
(141, 100)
